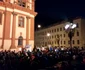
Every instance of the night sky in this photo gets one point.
(51, 11)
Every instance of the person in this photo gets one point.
(34, 63)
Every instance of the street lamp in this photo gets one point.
(48, 35)
(39, 26)
(58, 40)
(70, 28)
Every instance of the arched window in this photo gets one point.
(20, 41)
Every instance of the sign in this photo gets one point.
(28, 48)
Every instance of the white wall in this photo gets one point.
(7, 44)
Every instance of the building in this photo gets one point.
(58, 35)
(16, 24)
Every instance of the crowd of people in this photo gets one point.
(47, 59)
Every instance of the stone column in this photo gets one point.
(33, 5)
(13, 32)
(32, 28)
(6, 27)
(27, 30)
(27, 4)
(31, 41)
(15, 1)
(3, 31)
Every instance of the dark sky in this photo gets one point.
(51, 11)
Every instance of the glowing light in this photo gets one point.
(43, 48)
(70, 25)
(48, 34)
(39, 26)
(62, 48)
(74, 26)
(67, 26)
(20, 49)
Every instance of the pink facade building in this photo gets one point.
(16, 24)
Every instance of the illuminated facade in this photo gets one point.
(58, 35)
(16, 24)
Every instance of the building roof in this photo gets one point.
(60, 22)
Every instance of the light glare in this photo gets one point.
(39, 26)
(67, 26)
(20, 49)
(74, 26)
(48, 34)
(71, 26)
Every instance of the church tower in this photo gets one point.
(17, 24)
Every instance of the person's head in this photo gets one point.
(84, 59)
(32, 56)
(74, 57)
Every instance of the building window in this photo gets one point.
(45, 43)
(52, 36)
(20, 41)
(64, 42)
(52, 31)
(55, 42)
(0, 18)
(21, 3)
(21, 21)
(63, 28)
(61, 42)
(78, 42)
(57, 30)
(73, 42)
(68, 42)
(55, 36)
(52, 42)
(77, 33)
(60, 29)
(61, 35)
(64, 35)
(77, 25)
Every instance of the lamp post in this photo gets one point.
(58, 40)
(48, 35)
(70, 29)
(49, 44)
